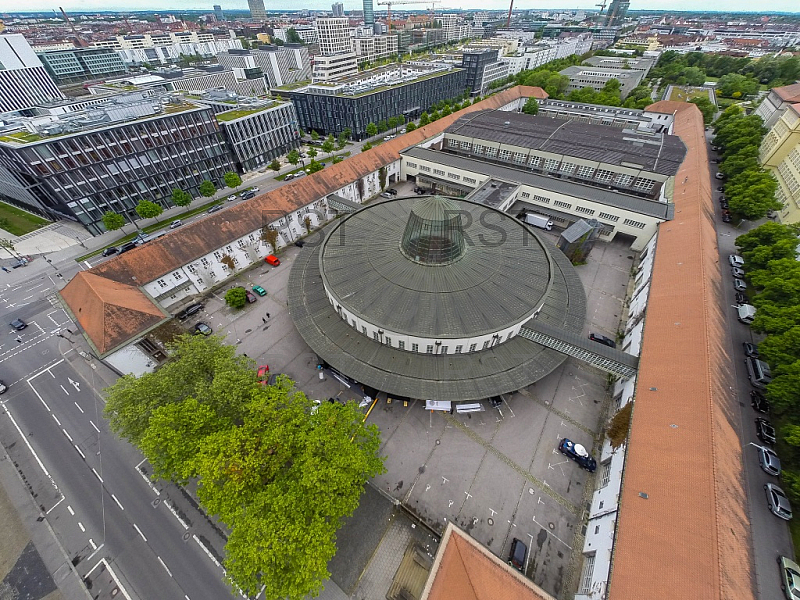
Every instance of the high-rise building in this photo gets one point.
(616, 12)
(81, 64)
(257, 10)
(218, 13)
(283, 65)
(24, 82)
(333, 35)
(369, 13)
(337, 8)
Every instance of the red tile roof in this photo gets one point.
(788, 93)
(465, 570)
(108, 311)
(689, 537)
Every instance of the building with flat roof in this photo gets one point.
(108, 158)
(375, 47)
(369, 12)
(152, 40)
(257, 10)
(333, 67)
(24, 82)
(373, 96)
(615, 16)
(82, 64)
(283, 65)
(333, 35)
(218, 14)
(596, 78)
(621, 63)
(780, 155)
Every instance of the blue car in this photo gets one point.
(577, 453)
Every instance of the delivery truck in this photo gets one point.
(539, 221)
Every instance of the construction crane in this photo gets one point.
(602, 6)
(388, 5)
(508, 20)
(78, 38)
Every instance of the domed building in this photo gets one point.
(428, 298)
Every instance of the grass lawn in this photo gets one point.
(679, 94)
(19, 222)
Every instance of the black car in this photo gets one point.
(721, 188)
(723, 204)
(577, 453)
(215, 208)
(127, 246)
(18, 324)
(765, 431)
(596, 337)
(392, 191)
(203, 329)
(248, 195)
(726, 218)
(750, 349)
(496, 401)
(299, 243)
(518, 554)
(110, 250)
(189, 311)
(758, 402)
(741, 298)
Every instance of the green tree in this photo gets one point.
(293, 157)
(372, 129)
(314, 135)
(236, 297)
(207, 189)
(382, 126)
(312, 153)
(752, 194)
(783, 392)
(292, 37)
(424, 119)
(148, 210)
(531, 107)
(341, 140)
(113, 221)
(366, 147)
(393, 123)
(382, 177)
(435, 116)
(328, 145)
(692, 76)
(232, 180)
(275, 165)
(347, 133)
(410, 127)
(181, 198)
(315, 166)
(784, 348)
(706, 107)
(728, 85)
(446, 111)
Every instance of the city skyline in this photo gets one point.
(82, 6)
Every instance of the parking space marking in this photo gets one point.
(551, 533)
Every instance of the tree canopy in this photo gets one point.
(207, 189)
(232, 180)
(113, 221)
(181, 198)
(148, 210)
(279, 470)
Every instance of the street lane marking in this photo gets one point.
(118, 502)
(93, 425)
(96, 549)
(56, 504)
(66, 434)
(79, 407)
(83, 529)
(36, 456)
(176, 515)
(96, 474)
(136, 527)
(46, 370)
(81, 453)
(165, 566)
(71, 512)
(65, 390)
(92, 544)
(113, 575)
(149, 483)
(57, 421)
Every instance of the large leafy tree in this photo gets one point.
(113, 221)
(232, 180)
(531, 106)
(278, 470)
(293, 157)
(148, 210)
(207, 189)
(236, 297)
(181, 198)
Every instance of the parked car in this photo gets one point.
(303, 155)
(723, 204)
(721, 188)
(299, 243)
(719, 175)
(765, 431)
(715, 148)
(127, 246)
(247, 195)
(175, 224)
(3, 387)
(790, 578)
(392, 191)
(596, 337)
(251, 297)
(759, 402)
(232, 197)
(518, 554)
(385, 195)
(726, 218)
(769, 461)
(289, 177)
(18, 324)
(255, 188)
(735, 260)
(778, 502)
(737, 272)
(215, 208)
(263, 374)
(750, 349)
(110, 250)
(203, 329)
(496, 401)
(189, 311)
(388, 137)
(741, 298)
(739, 285)
(259, 290)
(577, 453)
(271, 259)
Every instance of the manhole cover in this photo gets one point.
(490, 521)
(551, 525)
(438, 442)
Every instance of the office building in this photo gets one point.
(109, 158)
(780, 154)
(615, 17)
(333, 67)
(596, 78)
(307, 33)
(482, 67)
(148, 40)
(337, 9)
(82, 64)
(333, 35)
(375, 47)
(369, 12)
(169, 54)
(257, 10)
(621, 63)
(374, 96)
(218, 14)
(771, 108)
(283, 65)
(241, 62)
(24, 82)
(257, 131)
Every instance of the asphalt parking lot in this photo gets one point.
(497, 473)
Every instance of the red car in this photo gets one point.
(273, 260)
(263, 374)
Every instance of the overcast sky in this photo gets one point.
(167, 5)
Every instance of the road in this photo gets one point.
(86, 481)
(770, 534)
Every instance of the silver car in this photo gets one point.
(737, 272)
(739, 285)
(778, 502)
(769, 461)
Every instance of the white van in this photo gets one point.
(539, 221)
(746, 313)
(758, 372)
